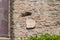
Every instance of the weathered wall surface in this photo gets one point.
(43, 15)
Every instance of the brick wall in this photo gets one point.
(45, 13)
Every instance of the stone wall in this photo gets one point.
(35, 17)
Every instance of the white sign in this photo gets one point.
(30, 23)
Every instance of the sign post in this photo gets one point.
(3, 18)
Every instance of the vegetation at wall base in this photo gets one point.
(45, 36)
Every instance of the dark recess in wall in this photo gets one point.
(26, 14)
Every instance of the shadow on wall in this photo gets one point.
(11, 19)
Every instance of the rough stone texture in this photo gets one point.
(46, 14)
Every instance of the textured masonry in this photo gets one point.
(46, 14)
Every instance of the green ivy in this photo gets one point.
(43, 37)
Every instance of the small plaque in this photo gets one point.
(30, 23)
